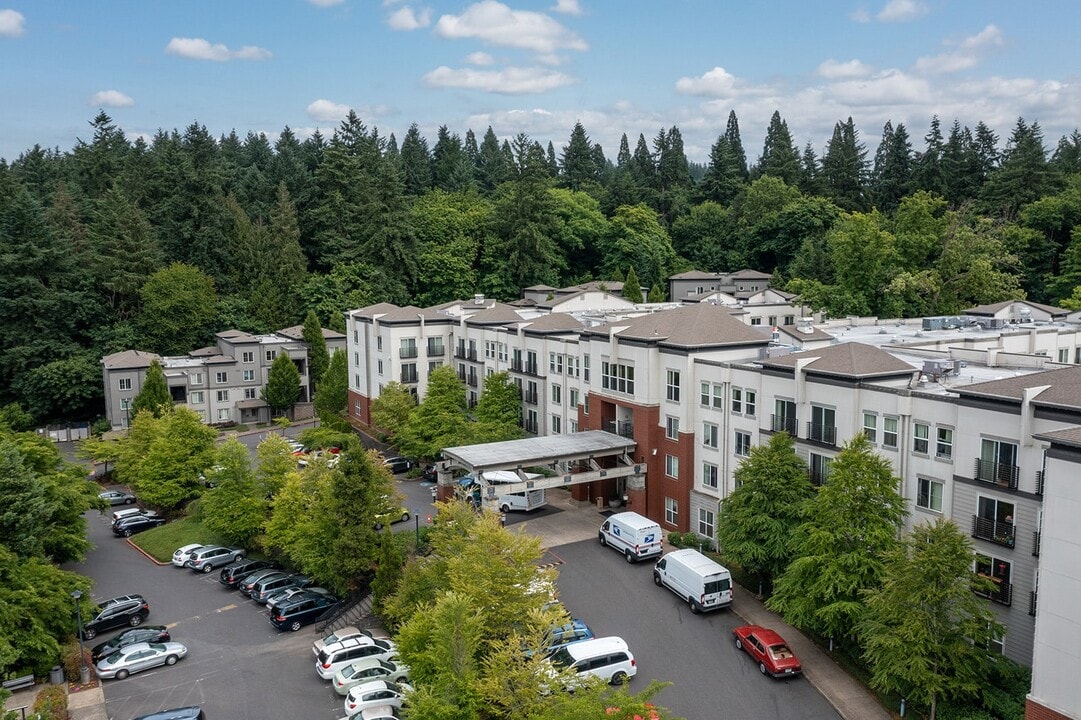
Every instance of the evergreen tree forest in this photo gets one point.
(156, 244)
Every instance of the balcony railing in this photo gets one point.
(1036, 543)
(531, 426)
(997, 473)
(461, 374)
(1000, 533)
(822, 433)
(409, 376)
(623, 429)
(471, 381)
(516, 365)
(1002, 592)
(531, 397)
(436, 350)
(407, 353)
(1032, 603)
(818, 477)
(781, 423)
(1039, 482)
(530, 368)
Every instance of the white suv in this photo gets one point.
(335, 656)
(607, 658)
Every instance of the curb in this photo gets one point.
(145, 554)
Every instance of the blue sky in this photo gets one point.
(618, 66)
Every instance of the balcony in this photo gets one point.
(471, 381)
(621, 428)
(1036, 543)
(1032, 603)
(531, 426)
(516, 365)
(1002, 592)
(409, 376)
(997, 473)
(530, 397)
(462, 353)
(436, 350)
(822, 433)
(818, 476)
(530, 368)
(781, 423)
(1000, 533)
(1039, 482)
(407, 353)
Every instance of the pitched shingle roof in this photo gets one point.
(498, 314)
(1067, 436)
(296, 332)
(850, 359)
(1064, 388)
(129, 360)
(993, 308)
(372, 310)
(700, 325)
(554, 323)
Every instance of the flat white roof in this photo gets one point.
(539, 450)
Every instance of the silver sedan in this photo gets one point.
(139, 656)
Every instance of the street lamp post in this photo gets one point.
(84, 671)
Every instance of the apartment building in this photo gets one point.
(222, 383)
(695, 283)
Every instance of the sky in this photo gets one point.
(617, 66)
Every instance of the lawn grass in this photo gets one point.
(161, 542)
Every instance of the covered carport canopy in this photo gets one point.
(571, 459)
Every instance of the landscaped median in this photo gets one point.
(161, 542)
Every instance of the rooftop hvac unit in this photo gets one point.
(938, 369)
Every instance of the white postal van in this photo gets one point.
(526, 501)
(703, 583)
(635, 536)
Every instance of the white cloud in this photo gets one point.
(406, 18)
(12, 23)
(717, 83)
(834, 70)
(567, 7)
(901, 11)
(495, 23)
(479, 58)
(968, 55)
(326, 110)
(110, 98)
(891, 87)
(860, 15)
(326, 3)
(200, 49)
(509, 81)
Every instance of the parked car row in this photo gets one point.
(365, 670)
(135, 649)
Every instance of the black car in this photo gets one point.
(298, 613)
(116, 612)
(231, 575)
(136, 524)
(397, 465)
(146, 633)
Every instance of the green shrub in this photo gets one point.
(51, 703)
(70, 659)
(675, 538)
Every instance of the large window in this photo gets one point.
(750, 402)
(196, 397)
(921, 438)
(743, 443)
(196, 378)
(555, 363)
(224, 415)
(671, 511)
(997, 462)
(618, 377)
(870, 426)
(671, 466)
(710, 437)
(435, 347)
(710, 474)
(557, 394)
(944, 443)
(703, 395)
(124, 383)
(889, 432)
(407, 348)
(672, 385)
(823, 425)
(671, 427)
(706, 522)
(929, 495)
(737, 400)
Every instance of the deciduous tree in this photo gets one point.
(154, 395)
(236, 507)
(392, 409)
(283, 384)
(179, 307)
(439, 421)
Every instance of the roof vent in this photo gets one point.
(478, 299)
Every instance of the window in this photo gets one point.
(556, 425)
(709, 435)
(743, 443)
(379, 367)
(585, 404)
(248, 356)
(823, 425)
(998, 570)
(573, 365)
(249, 376)
(573, 392)
(929, 495)
(221, 378)
(356, 359)
(379, 343)
(870, 426)
(773, 321)
(435, 347)
(356, 337)
(250, 393)
(921, 438)
(706, 522)
(672, 384)
(998, 462)
(409, 373)
(737, 400)
(531, 362)
(223, 415)
(501, 347)
(703, 398)
(433, 365)
(671, 466)
(202, 415)
(1064, 355)
(750, 401)
(756, 321)
(196, 379)
(789, 319)
(784, 417)
(615, 376)
(671, 511)
(820, 469)
(557, 394)
(671, 427)
(222, 396)
(407, 348)
(710, 473)
(489, 349)
(944, 445)
(572, 426)
(889, 432)
(555, 363)
(125, 383)
(196, 397)
(271, 354)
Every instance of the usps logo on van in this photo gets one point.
(615, 530)
(649, 539)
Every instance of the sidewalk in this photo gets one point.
(88, 704)
(849, 698)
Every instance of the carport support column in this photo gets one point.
(636, 493)
(444, 489)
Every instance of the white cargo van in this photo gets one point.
(526, 500)
(703, 583)
(635, 536)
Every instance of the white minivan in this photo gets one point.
(607, 658)
(635, 536)
(703, 583)
(526, 501)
